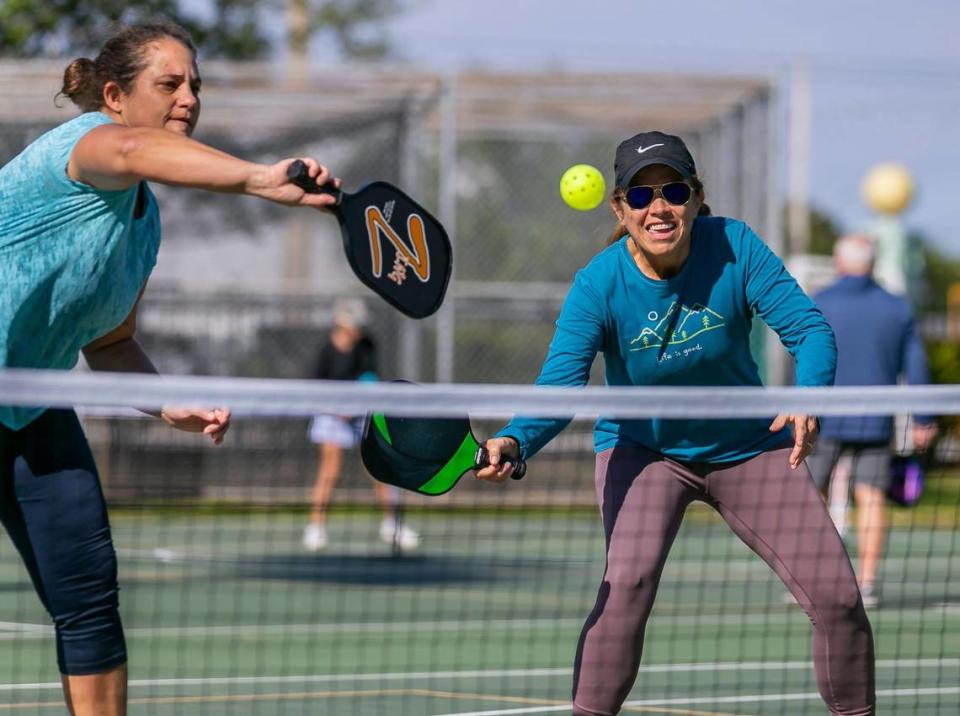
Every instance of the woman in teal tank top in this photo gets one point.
(79, 233)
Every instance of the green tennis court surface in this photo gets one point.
(225, 614)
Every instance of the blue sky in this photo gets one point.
(886, 75)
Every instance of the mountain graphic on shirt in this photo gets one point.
(692, 321)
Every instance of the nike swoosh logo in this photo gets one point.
(641, 150)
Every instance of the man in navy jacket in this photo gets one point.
(877, 344)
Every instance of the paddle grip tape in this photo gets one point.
(482, 459)
(298, 174)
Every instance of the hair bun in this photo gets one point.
(79, 84)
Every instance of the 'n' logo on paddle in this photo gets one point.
(416, 256)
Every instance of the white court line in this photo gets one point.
(231, 630)
(504, 712)
(246, 630)
(315, 678)
(488, 673)
(754, 698)
(21, 627)
(187, 554)
(37, 631)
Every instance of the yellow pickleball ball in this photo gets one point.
(582, 187)
(888, 188)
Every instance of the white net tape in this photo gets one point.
(258, 396)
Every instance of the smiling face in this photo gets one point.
(165, 95)
(660, 233)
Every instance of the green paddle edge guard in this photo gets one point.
(448, 475)
(451, 472)
(380, 421)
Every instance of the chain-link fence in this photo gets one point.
(245, 288)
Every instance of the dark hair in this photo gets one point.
(120, 60)
(620, 229)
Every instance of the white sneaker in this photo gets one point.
(405, 537)
(788, 598)
(870, 593)
(314, 537)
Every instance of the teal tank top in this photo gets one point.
(73, 258)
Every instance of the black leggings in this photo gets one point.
(776, 511)
(52, 507)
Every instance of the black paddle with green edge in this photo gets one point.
(394, 245)
(425, 455)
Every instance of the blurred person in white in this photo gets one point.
(877, 344)
(79, 235)
(348, 353)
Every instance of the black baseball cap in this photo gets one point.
(647, 148)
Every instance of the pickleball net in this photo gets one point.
(226, 611)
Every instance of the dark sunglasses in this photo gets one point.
(677, 193)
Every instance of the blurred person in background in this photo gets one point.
(671, 302)
(79, 234)
(877, 344)
(348, 353)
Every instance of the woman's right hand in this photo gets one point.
(502, 454)
(272, 183)
(209, 422)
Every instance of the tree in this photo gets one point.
(234, 33)
(231, 29)
(357, 26)
(940, 273)
(55, 28)
(823, 232)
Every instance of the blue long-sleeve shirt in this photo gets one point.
(877, 342)
(689, 330)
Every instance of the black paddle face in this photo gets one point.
(426, 455)
(403, 253)
(394, 245)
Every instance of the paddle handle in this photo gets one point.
(482, 459)
(297, 174)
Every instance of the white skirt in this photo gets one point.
(333, 429)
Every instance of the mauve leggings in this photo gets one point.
(776, 511)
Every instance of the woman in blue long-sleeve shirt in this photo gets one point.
(671, 302)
